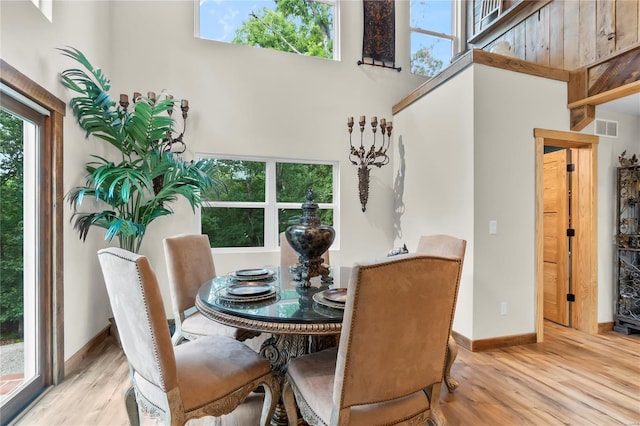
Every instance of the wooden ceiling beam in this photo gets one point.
(610, 79)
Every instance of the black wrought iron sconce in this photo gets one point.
(364, 158)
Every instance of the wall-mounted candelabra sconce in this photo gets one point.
(171, 143)
(364, 157)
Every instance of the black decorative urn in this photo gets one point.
(310, 239)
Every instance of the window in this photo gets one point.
(305, 27)
(262, 198)
(46, 7)
(435, 30)
(31, 157)
(490, 9)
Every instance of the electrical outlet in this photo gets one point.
(503, 308)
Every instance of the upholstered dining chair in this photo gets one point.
(189, 264)
(209, 376)
(449, 246)
(379, 375)
(289, 257)
(442, 245)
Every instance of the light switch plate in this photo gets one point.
(493, 227)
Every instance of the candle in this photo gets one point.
(136, 95)
(363, 119)
(383, 122)
(184, 103)
(374, 120)
(350, 120)
(124, 98)
(151, 96)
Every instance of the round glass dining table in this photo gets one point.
(297, 322)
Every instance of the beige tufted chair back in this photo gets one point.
(442, 245)
(209, 376)
(139, 314)
(183, 253)
(189, 264)
(375, 361)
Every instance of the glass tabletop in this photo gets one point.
(284, 303)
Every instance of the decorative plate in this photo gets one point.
(225, 295)
(338, 295)
(320, 300)
(251, 274)
(249, 288)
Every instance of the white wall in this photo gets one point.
(243, 100)
(609, 149)
(434, 172)
(507, 107)
(470, 159)
(250, 101)
(501, 115)
(28, 44)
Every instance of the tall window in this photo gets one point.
(436, 27)
(30, 241)
(46, 7)
(262, 197)
(305, 27)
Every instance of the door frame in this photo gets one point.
(51, 195)
(585, 244)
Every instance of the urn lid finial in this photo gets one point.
(309, 210)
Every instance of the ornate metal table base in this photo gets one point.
(279, 349)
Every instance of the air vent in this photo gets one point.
(606, 128)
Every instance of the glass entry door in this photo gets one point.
(22, 348)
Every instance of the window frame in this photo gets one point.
(270, 205)
(457, 36)
(50, 199)
(335, 30)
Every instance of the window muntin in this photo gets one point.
(263, 198)
(306, 27)
(434, 34)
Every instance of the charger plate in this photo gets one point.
(321, 300)
(337, 295)
(243, 293)
(249, 288)
(251, 274)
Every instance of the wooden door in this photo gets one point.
(556, 242)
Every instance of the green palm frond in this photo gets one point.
(140, 186)
(82, 221)
(149, 124)
(74, 53)
(95, 111)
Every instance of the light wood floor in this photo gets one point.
(571, 379)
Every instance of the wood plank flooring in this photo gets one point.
(572, 378)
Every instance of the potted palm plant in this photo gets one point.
(138, 187)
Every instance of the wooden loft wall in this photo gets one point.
(598, 41)
(568, 34)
